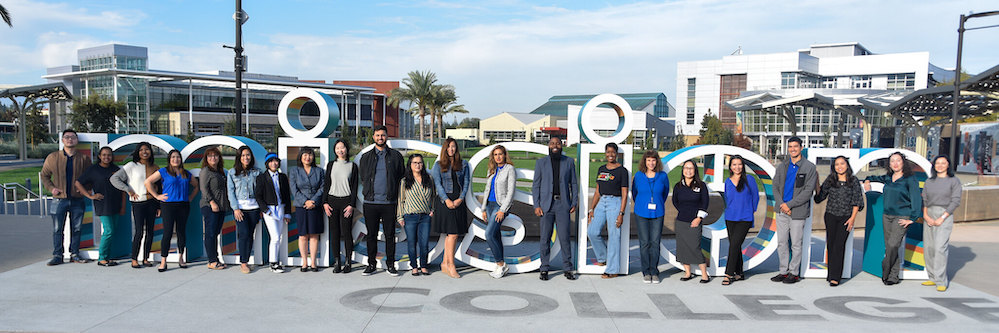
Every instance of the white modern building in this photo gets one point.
(818, 87)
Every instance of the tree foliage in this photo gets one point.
(713, 133)
(95, 114)
(417, 88)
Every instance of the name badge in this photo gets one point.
(697, 190)
(652, 206)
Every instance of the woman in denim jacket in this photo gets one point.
(240, 185)
(452, 178)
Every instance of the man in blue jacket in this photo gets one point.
(554, 191)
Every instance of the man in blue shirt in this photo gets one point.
(794, 183)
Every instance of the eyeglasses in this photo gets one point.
(69, 137)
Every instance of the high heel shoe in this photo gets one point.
(162, 269)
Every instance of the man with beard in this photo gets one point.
(60, 171)
(554, 191)
(381, 167)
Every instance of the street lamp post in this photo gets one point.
(957, 81)
(239, 63)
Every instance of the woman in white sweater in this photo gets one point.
(131, 179)
(500, 186)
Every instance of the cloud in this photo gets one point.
(31, 14)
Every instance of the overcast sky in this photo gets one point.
(500, 55)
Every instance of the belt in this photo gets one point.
(556, 197)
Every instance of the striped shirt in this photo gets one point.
(415, 200)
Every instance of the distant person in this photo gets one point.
(109, 202)
(846, 199)
(793, 184)
(452, 179)
(742, 196)
(59, 172)
(179, 187)
(501, 184)
(941, 197)
(131, 179)
(416, 206)
(339, 203)
(607, 208)
(903, 205)
(554, 191)
(381, 168)
(307, 182)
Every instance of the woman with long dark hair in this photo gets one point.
(176, 204)
(131, 179)
(649, 189)
(109, 203)
(307, 190)
(607, 208)
(500, 187)
(240, 186)
(214, 203)
(742, 196)
(846, 199)
(690, 197)
(902, 207)
(941, 196)
(416, 198)
(339, 200)
(452, 178)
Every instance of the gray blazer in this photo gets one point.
(542, 190)
(804, 188)
(306, 186)
(506, 185)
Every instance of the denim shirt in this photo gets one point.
(240, 187)
(442, 180)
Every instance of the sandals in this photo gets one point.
(708, 280)
(216, 266)
(728, 280)
(687, 278)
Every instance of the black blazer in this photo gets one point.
(394, 167)
(264, 191)
(352, 181)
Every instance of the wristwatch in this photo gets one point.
(621, 214)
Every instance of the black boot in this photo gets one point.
(336, 266)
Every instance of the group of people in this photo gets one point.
(403, 191)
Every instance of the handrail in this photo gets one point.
(14, 187)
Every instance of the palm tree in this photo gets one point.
(451, 109)
(6, 16)
(443, 95)
(417, 88)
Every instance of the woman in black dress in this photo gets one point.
(452, 178)
(690, 197)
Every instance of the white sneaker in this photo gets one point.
(500, 271)
(647, 278)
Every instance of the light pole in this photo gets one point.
(957, 81)
(239, 64)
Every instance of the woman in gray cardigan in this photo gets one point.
(214, 203)
(941, 196)
(500, 187)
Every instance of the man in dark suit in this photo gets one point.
(554, 191)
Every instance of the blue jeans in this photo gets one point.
(213, 227)
(108, 224)
(74, 207)
(417, 237)
(493, 236)
(606, 213)
(244, 233)
(650, 234)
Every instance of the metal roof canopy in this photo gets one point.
(979, 96)
(53, 91)
(158, 75)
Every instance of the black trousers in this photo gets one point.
(340, 230)
(836, 235)
(174, 218)
(737, 231)
(380, 215)
(143, 218)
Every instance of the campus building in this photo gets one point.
(651, 112)
(817, 88)
(175, 103)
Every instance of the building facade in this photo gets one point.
(176, 103)
(652, 114)
(819, 86)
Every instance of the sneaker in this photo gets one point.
(791, 278)
(56, 260)
(392, 271)
(655, 279)
(647, 278)
(499, 272)
(941, 288)
(929, 283)
(76, 259)
(368, 270)
(276, 268)
(779, 277)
